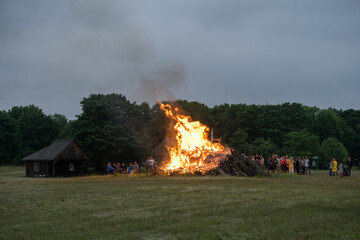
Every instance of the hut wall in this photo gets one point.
(62, 167)
(43, 169)
(50, 164)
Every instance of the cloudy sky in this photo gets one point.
(54, 53)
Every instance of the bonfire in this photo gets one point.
(192, 152)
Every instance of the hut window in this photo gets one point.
(36, 167)
(71, 165)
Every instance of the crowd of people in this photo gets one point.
(286, 164)
(334, 168)
(132, 168)
(275, 164)
(299, 165)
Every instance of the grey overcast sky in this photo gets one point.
(54, 53)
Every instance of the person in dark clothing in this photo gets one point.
(349, 163)
(302, 161)
(273, 164)
(297, 165)
(122, 168)
(269, 165)
(330, 167)
(118, 168)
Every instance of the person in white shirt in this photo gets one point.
(306, 165)
(151, 164)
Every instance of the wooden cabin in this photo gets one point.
(63, 157)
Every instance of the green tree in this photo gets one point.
(331, 147)
(301, 143)
(219, 120)
(7, 135)
(63, 125)
(34, 130)
(239, 142)
(351, 137)
(111, 129)
(263, 147)
(329, 124)
(157, 126)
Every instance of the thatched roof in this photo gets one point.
(50, 152)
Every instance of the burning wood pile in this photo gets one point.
(236, 164)
(194, 153)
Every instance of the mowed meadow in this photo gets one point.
(142, 207)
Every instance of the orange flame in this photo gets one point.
(193, 151)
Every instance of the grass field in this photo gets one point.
(108, 207)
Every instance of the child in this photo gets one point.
(110, 169)
(341, 170)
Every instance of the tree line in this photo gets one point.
(111, 128)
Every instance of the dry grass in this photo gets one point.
(140, 207)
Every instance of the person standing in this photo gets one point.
(136, 167)
(303, 166)
(287, 163)
(349, 163)
(151, 164)
(307, 164)
(297, 165)
(330, 167)
(273, 164)
(283, 164)
(334, 168)
(278, 163)
(269, 165)
(341, 171)
(291, 165)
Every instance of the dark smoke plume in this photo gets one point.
(162, 83)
